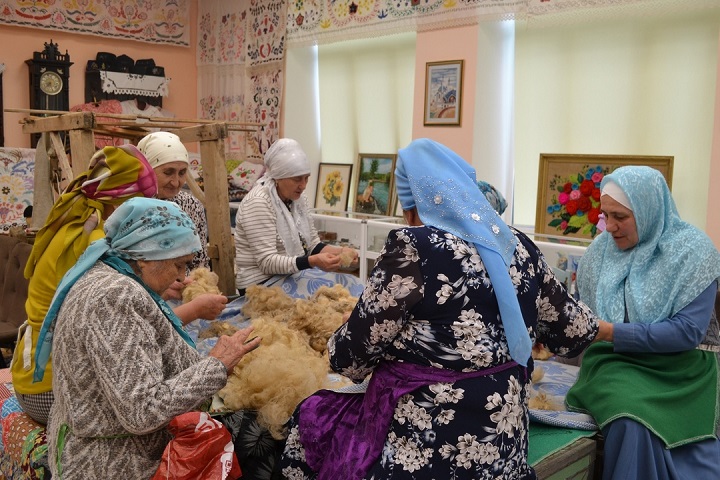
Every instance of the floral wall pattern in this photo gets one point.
(241, 47)
(323, 21)
(152, 21)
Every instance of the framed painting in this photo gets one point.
(374, 183)
(443, 93)
(333, 186)
(568, 195)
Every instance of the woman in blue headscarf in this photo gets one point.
(445, 326)
(655, 277)
(123, 367)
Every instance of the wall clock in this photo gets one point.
(49, 86)
(51, 83)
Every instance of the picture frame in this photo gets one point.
(333, 186)
(443, 93)
(560, 211)
(374, 183)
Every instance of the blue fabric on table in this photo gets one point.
(555, 383)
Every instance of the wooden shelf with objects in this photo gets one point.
(53, 169)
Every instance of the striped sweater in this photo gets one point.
(259, 251)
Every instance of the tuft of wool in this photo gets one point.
(204, 281)
(261, 300)
(322, 314)
(217, 329)
(541, 401)
(346, 258)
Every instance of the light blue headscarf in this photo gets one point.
(443, 187)
(140, 229)
(672, 263)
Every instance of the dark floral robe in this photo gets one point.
(429, 301)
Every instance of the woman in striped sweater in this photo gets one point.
(274, 234)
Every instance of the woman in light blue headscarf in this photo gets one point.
(655, 277)
(123, 367)
(445, 326)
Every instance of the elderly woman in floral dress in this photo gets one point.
(445, 326)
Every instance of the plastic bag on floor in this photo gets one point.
(201, 449)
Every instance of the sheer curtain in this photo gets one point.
(638, 85)
(366, 98)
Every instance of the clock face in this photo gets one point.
(51, 83)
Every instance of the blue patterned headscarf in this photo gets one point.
(672, 263)
(140, 229)
(443, 187)
(494, 198)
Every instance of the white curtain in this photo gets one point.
(642, 85)
(365, 102)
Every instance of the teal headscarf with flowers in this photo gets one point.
(672, 263)
(140, 229)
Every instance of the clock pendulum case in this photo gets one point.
(49, 74)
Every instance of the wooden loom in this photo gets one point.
(53, 170)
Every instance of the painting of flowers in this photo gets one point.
(333, 186)
(569, 190)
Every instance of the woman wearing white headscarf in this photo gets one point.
(445, 328)
(169, 159)
(653, 386)
(274, 233)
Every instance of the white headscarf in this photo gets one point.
(163, 147)
(612, 189)
(286, 159)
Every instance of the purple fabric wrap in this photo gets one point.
(343, 433)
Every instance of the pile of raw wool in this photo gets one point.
(290, 363)
(317, 317)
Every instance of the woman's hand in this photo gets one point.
(329, 262)
(208, 305)
(605, 332)
(230, 349)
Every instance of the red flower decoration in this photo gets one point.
(584, 204)
(586, 187)
(571, 207)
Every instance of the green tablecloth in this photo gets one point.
(546, 440)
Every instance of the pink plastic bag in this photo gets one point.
(201, 449)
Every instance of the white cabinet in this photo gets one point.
(363, 232)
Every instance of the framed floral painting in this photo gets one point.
(568, 201)
(333, 186)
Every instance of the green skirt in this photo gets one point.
(675, 395)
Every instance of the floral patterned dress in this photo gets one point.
(429, 301)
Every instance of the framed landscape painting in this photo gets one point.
(374, 183)
(333, 186)
(568, 196)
